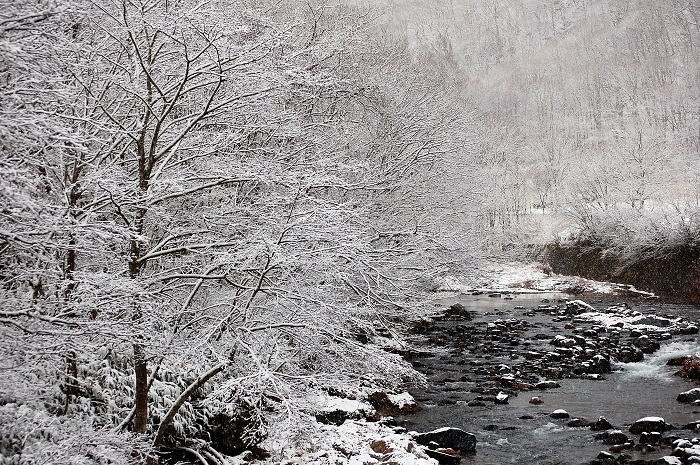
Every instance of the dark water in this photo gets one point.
(520, 432)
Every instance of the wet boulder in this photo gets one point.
(599, 364)
(627, 354)
(458, 312)
(615, 437)
(689, 329)
(605, 458)
(444, 456)
(652, 320)
(686, 451)
(690, 368)
(579, 423)
(695, 425)
(544, 385)
(576, 307)
(393, 404)
(562, 341)
(501, 398)
(648, 425)
(559, 414)
(646, 344)
(449, 438)
(653, 438)
(602, 424)
(689, 396)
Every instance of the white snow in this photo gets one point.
(329, 403)
(526, 278)
(652, 420)
(630, 319)
(401, 400)
(357, 443)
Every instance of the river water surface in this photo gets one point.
(523, 433)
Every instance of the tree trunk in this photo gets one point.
(141, 390)
(196, 384)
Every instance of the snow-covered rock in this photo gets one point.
(393, 404)
(336, 410)
(602, 424)
(353, 443)
(450, 438)
(559, 414)
(669, 460)
(648, 425)
(615, 437)
(689, 396)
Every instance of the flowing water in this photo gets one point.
(523, 433)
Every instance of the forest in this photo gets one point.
(213, 211)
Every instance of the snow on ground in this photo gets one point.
(358, 442)
(529, 278)
(328, 403)
(630, 319)
(355, 442)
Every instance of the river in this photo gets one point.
(463, 360)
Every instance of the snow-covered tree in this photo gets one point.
(207, 201)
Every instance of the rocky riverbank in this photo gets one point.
(518, 376)
(481, 362)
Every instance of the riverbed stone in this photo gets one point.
(668, 460)
(648, 425)
(443, 457)
(692, 426)
(687, 451)
(690, 368)
(452, 438)
(615, 437)
(602, 424)
(605, 458)
(690, 329)
(628, 354)
(562, 341)
(689, 396)
(653, 438)
(544, 385)
(579, 423)
(501, 398)
(599, 364)
(647, 344)
(560, 414)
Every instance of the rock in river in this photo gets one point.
(615, 437)
(602, 424)
(689, 396)
(559, 414)
(450, 438)
(648, 425)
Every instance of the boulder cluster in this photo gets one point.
(501, 356)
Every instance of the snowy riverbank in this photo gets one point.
(358, 441)
(519, 278)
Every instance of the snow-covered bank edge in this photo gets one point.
(519, 278)
(358, 442)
